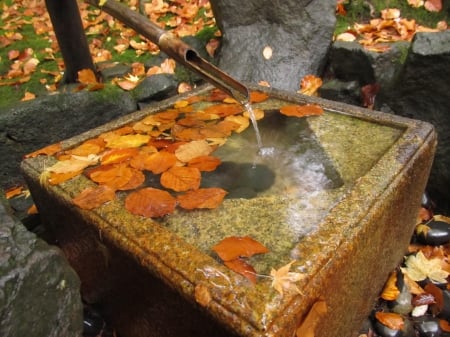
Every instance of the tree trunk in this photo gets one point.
(66, 21)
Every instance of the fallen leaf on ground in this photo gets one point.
(390, 291)
(74, 164)
(150, 202)
(202, 198)
(390, 319)
(233, 247)
(92, 197)
(301, 110)
(418, 268)
(283, 279)
(48, 150)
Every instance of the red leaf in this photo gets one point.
(234, 247)
(202, 198)
(241, 267)
(150, 202)
(93, 197)
(181, 179)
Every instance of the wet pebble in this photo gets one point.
(427, 326)
(435, 233)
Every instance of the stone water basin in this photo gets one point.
(336, 193)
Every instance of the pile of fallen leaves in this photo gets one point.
(390, 27)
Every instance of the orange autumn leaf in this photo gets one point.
(241, 267)
(310, 84)
(115, 176)
(92, 197)
(258, 96)
(186, 134)
(181, 178)
(91, 146)
(32, 210)
(48, 150)
(116, 156)
(137, 179)
(224, 110)
(127, 141)
(86, 76)
(191, 150)
(390, 291)
(13, 192)
(156, 163)
(205, 163)
(444, 325)
(58, 178)
(202, 198)
(234, 247)
(150, 202)
(312, 320)
(217, 95)
(301, 110)
(390, 319)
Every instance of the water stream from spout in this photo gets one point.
(252, 115)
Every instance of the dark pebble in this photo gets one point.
(437, 234)
(427, 327)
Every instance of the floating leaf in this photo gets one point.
(74, 164)
(192, 150)
(234, 247)
(150, 202)
(224, 110)
(241, 267)
(283, 279)
(312, 320)
(202, 198)
(128, 141)
(181, 179)
(156, 163)
(301, 110)
(58, 178)
(137, 179)
(48, 150)
(205, 163)
(92, 197)
(242, 121)
(116, 156)
(258, 96)
(115, 176)
(91, 146)
(392, 320)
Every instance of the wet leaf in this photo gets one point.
(86, 76)
(390, 291)
(241, 267)
(423, 299)
(136, 180)
(181, 179)
(390, 319)
(223, 110)
(127, 141)
(48, 150)
(91, 146)
(92, 197)
(202, 295)
(312, 320)
(14, 191)
(444, 325)
(284, 280)
(150, 202)
(58, 178)
(310, 84)
(301, 110)
(202, 198)
(242, 121)
(116, 156)
(418, 268)
(369, 93)
(436, 292)
(205, 163)
(191, 150)
(74, 164)
(115, 176)
(258, 96)
(234, 247)
(156, 163)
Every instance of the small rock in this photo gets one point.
(435, 233)
(428, 327)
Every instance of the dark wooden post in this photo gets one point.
(66, 21)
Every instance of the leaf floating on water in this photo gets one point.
(202, 198)
(115, 156)
(127, 141)
(58, 178)
(192, 150)
(91, 146)
(224, 110)
(242, 121)
(301, 110)
(234, 247)
(205, 163)
(137, 179)
(283, 279)
(312, 320)
(150, 202)
(48, 150)
(258, 96)
(181, 179)
(241, 267)
(390, 319)
(156, 163)
(115, 176)
(93, 197)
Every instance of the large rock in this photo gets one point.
(298, 32)
(422, 92)
(34, 124)
(39, 291)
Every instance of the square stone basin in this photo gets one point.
(338, 194)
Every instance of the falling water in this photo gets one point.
(251, 113)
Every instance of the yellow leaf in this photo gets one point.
(102, 2)
(192, 150)
(418, 268)
(127, 141)
(283, 279)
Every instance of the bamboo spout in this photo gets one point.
(175, 48)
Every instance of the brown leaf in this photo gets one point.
(258, 96)
(310, 84)
(312, 320)
(301, 110)
(127, 141)
(234, 247)
(390, 319)
(202, 198)
(390, 291)
(115, 176)
(137, 179)
(115, 156)
(150, 202)
(48, 150)
(369, 93)
(156, 163)
(193, 149)
(205, 163)
(86, 76)
(224, 110)
(423, 299)
(91, 146)
(181, 179)
(58, 178)
(241, 267)
(444, 325)
(92, 197)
